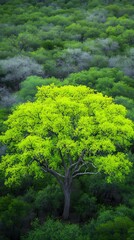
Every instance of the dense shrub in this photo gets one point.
(14, 216)
(55, 230)
(48, 201)
(28, 88)
(72, 60)
(17, 69)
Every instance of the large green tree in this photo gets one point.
(68, 132)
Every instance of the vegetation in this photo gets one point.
(67, 132)
(66, 68)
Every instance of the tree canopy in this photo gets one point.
(68, 132)
(63, 124)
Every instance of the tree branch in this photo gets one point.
(43, 170)
(80, 159)
(46, 169)
(56, 174)
(63, 162)
(78, 169)
(85, 173)
(84, 164)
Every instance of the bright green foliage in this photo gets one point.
(62, 125)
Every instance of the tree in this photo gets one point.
(68, 132)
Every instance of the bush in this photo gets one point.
(108, 46)
(86, 206)
(7, 99)
(128, 103)
(111, 225)
(72, 60)
(14, 216)
(55, 230)
(49, 200)
(28, 41)
(28, 88)
(3, 116)
(124, 63)
(17, 69)
(116, 229)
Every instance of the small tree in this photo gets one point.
(67, 132)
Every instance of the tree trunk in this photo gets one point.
(67, 193)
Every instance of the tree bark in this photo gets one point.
(67, 194)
